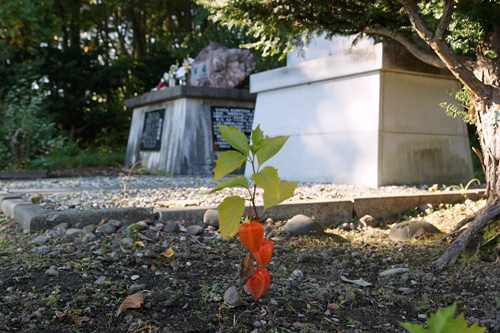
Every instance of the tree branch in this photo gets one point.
(443, 50)
(448, 8)
(422, 55)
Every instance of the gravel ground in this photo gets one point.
(163, 191)
(188, 275)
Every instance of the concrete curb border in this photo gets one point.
(330, 213)
(32, 218)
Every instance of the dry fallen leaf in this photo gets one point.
(333, 306)
(103, 221)
(139, 243)
(76, 319)
(168, 253)
(245, 270)
(134, 301)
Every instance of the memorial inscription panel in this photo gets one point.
(152, 130)
(199, 71)
(238, 117)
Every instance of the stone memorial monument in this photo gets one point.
(365, 115)
(220, 67)
(175, 130)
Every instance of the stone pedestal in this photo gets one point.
(368, 116)
(175, 131)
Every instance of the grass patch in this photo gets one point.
(89, 159)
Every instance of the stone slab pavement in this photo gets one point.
(32, 218)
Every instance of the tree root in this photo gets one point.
(479, 220)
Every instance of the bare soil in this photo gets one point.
(185, 292)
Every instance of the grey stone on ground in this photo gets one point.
(141, 225)
(63, 225)
(116, 223)
(127, 241)
(74, 232)
(44, 249)
(410, 229)
(39, 240)
(232, 298)
(301, 225)
(106, 229)
(426, 206)
(211, 217)
(367, 221)
(171, 226)
(52, 271)
(90, 228)
(194, 230)
(151, 235)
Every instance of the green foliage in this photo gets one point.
(260, 151)
(86, 58)
(463, 97)
(442, 321)
(231, 210)
(86, 159)
(27, 133)
(279, 25)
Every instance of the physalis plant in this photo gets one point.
(251, 231)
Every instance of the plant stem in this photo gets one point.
(252, 195)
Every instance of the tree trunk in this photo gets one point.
(487, 115)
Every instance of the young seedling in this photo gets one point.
(232, 208)
(442, 321)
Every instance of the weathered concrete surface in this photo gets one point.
(186, 132)
(9, 205)
(155, 97)
(328, 213)
(379, 207)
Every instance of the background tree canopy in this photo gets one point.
(71, 64)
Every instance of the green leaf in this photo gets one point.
(269, 180)
(268, 147)
(442, 322)
(232, 182)
(438, 319)
(413, 328)
(227, 162)
(269, 200)
(257, 135)
(459, 324)
(235, 137)
(231, 210)
(286, 190)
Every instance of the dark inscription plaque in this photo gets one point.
(238, 117)
(151, 132)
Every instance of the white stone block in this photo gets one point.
(368, 117)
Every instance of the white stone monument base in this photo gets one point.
(186, 142)
(369, 117)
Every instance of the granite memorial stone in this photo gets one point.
(221, 67)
